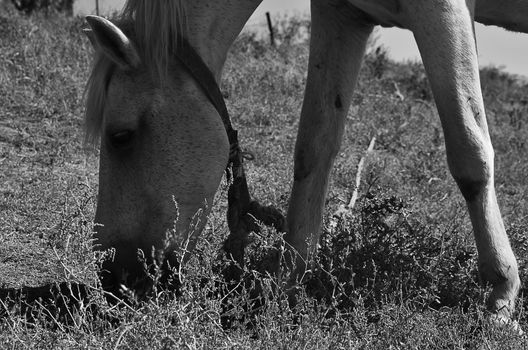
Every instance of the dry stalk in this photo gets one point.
(345, 209)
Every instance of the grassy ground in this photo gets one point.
(399, 274)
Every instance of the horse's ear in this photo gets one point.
(107, 37)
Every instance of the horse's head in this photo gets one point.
(163, 149)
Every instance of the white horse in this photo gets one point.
(162, 137)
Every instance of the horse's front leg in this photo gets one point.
(444, 33)
(338, 38)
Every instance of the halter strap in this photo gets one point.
(201, 73)
(238, 194)
(242, 212)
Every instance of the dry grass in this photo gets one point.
(400, 274)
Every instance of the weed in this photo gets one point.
(400, 273)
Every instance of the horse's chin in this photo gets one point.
(130, 277)
(141, 257)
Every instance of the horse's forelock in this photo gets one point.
(157, 24)
(95, 96)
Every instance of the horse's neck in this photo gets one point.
(212, 26)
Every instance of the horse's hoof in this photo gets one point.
(506, 324)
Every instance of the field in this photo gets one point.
(400, 273)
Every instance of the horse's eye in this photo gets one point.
(121, 139)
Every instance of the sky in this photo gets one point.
(496, 46)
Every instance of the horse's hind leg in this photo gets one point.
(444, 33)
(337, 46)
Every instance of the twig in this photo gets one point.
(353, 200)
(397, 91)
(343, 209)
(121, 335)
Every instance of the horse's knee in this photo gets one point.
(311, 156)
(472, 168)
(499, 271)
(303, 164)
(470, 188)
